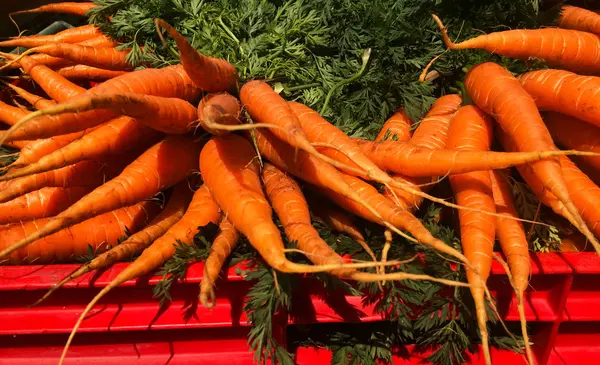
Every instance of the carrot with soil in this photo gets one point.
(101, 232)
(202, 211)
(397, 128)
(497, 92)
(154, 171)
(513, 242)
(137, 242)
(222, 246)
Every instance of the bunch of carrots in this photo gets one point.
(92, 160)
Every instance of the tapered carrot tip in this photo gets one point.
(444, 31)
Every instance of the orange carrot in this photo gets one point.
(84, 173)
(564, 92)
(513, 242)
(201, 213)
(88, 73)
(222, 246)
(396, 128)
(100, 41)
(573, 17)
(101, 232)
(154, 171)
(42, 203)
(574, 134)
(209, 74)
(39, 58)
(471, 130)
(564, 48)
(70, 35)
(171, 214)
(36, 101)
(219, 108)
(103, 57)
(112, 138)
(73, 8)
(11, 114)
(169, 115)
(497, 92)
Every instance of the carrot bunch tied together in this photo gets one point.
(238, 157)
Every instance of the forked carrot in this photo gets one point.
(564, 92)
(497, 92)
(73, 8)
(43, 203)
(397, 128)
(112, 138)
(209, 74)
(564, 48)
(154, 170)
(222, 108)
(171, 214)
(229, 167)
(472, 130)
(201, 212)
(88, 73)
(513, 242)
(101, 232)
(574, 134)
(573, 17)
(70, 35)
(222, 246)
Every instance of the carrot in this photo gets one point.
(100, 232)
(84, 173)
(574, 134)
(292, 209)
(513, 242)
(397, 128)
(70, 35)
(171, 214)
(564, 48)
(36, 101)
(154, 171)
(42, 203)
(56, 86)
(103, 57)
(88, 73)
(39, 58)
(209, 74)
(471, 130)
(337, 220)
(72, 8)
(564, 92)
(112, 138)
(201, 212)
(11, 114)
(230, 170)
(222, 246)
(573, 17)
(169, 115)
(497, 92)
(219, 108)
(430, 133)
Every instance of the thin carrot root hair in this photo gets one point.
(520, 308)
(17, 59)
(424, 76)
(73, 275)
(386, 248)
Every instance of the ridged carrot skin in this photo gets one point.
(73, 8)
(145, 177)
(573, 17)
(564, 92)
(498, 93)
(574, 134)
(110, 139)
(562, 48)
(43, 203)
(209, 74)
(88, 73)
(397, 128)
(100, 232)
(70, 35)
(221, 108)
(102, 57)
(472, 130)
(222, 246)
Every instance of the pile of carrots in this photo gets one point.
(92, 159)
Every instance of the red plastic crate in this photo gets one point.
(129, 325)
